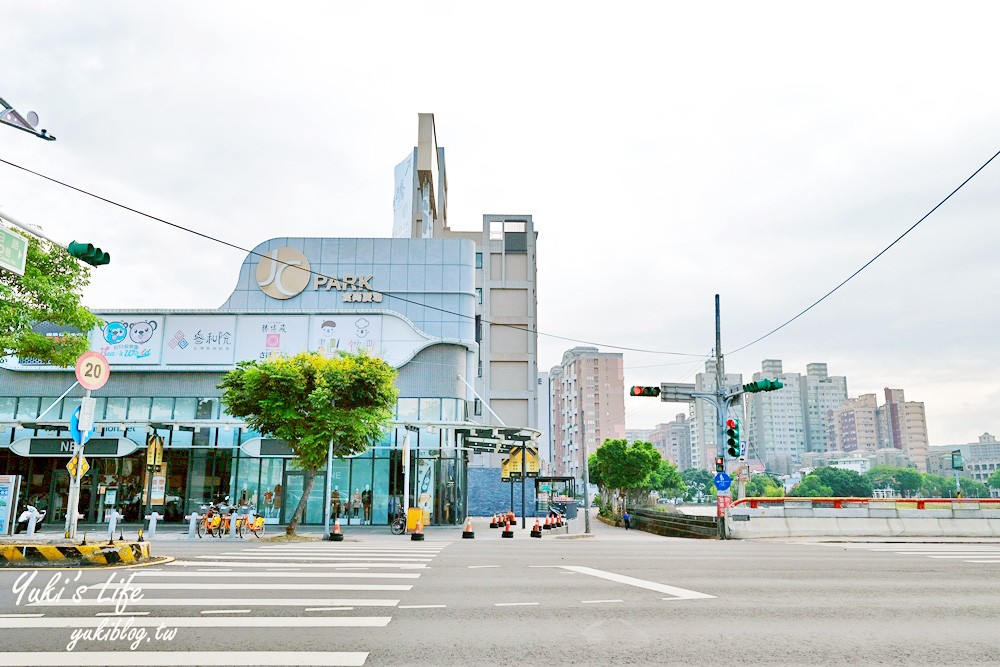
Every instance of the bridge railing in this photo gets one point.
(845, 502)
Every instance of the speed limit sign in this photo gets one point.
(92, 370)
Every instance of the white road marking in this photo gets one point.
(598, 601)
(63, 622)
(677, 593)
(253, 586)
(225, 611)
(328, 608)
(21, 615)
(361, 566)
(422, 606)
(474, 567)
(122, 615)
(201, 570)
(184, 658)
(215, 602)
(515, 604)
(982, 561)
(279, 574)
(369, 561)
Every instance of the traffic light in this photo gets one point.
(733, 438)
(720, 464)
(88, 253)
(762, 385)
(645, 391)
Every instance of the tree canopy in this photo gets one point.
(840, 482)
(619, 465)
(48, 292)
(906, 481)
(310, 400)
(665, 479)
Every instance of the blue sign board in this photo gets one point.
(79, 437)
(722, 481)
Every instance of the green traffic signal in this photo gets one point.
(733, 438)
(762, 385)
(88, 253)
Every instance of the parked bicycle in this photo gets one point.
(398, 525)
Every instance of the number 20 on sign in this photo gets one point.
(92, 370)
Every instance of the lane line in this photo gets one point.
(598, 601)
(347, 559)
(211, 586)
(225, 611)
(677, 593)
(362, 566)
(515, 604)
(422, 606)
(126, 614)
(475, 567)
(201, 570)
(328, 608)
(21, 615)
(71, 622)
(279, 574)
(185, 658)
(215, 602)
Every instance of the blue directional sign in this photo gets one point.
(79, 437)
(722, 481)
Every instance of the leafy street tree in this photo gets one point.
(764, 486)
(697, 479)
(616, 465)
(666, 480)
(842, 482)
(973, 489)
(937, 486)
(994, 481)
(906, 481)
(811, 487)
(311, 400)
(49, 291)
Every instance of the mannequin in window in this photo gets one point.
(356, 503)
(335, 500)
(366, 504)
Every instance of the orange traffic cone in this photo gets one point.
(507, 532)
(537, 530)
(336, 535)
(467, 533)
(418, 533)
(493, 522)
(512, 518)
(548, 523)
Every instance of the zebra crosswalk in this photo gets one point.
(256, 603)
(967, 552)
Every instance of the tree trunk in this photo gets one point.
(308, 480)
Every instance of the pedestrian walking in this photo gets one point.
(627, 516)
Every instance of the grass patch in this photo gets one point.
(291, 538)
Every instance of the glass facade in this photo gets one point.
(203, 465)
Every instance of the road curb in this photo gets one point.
(118, 553)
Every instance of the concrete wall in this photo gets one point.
(488, 495)
(799, 518)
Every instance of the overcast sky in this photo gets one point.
(668, 152)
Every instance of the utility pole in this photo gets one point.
(586, 470)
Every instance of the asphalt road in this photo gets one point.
(614, 598)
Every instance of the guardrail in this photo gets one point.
(670, 524)
(844, 502)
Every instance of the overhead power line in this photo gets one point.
(869, 262)
(393, 295)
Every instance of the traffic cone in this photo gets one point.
(336, 535)
(559, 521)
(418, 534)
(511, 518)
(467, 534)
(493, 521)
(548, 523)
(507, 532)
(537, 530)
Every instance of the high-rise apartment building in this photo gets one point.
(673, 441)
(504, 372)
(856, 425)
(545, 421)
(821, 393)
(588, 405)
(903, 425)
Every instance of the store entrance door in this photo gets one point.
(294, 485)
(60, 494)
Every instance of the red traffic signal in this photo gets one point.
(720, 464)
(730, 423)
(645, 391)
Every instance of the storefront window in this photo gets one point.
(176, 463)
(184, 408)
(116, 409)
(449, 410)
(69, 406)
(209, 479)
(247, 483)
(205, 408)
(361, 494)
(340, 496)
(425, 486)
(380, 492)
(7, 408)
(294, 487)
(27, 408)
(226, 437)
(138, 409)
(270, 489)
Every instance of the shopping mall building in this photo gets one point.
(420, 300)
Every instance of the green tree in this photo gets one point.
(811, 487)
(843, 482)
(764, 486)
(697, 480)
(973, 489)
(49, 291)
(309, 401)
(621, 466)
(994, 481)
(665, 479)
(906, 481)
(937, 486)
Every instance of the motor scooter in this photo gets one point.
(22, 521)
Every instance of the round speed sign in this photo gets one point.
(92, 370)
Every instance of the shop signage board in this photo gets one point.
(129, 339)
(115, 447)
(199, 339)
(13, 251)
